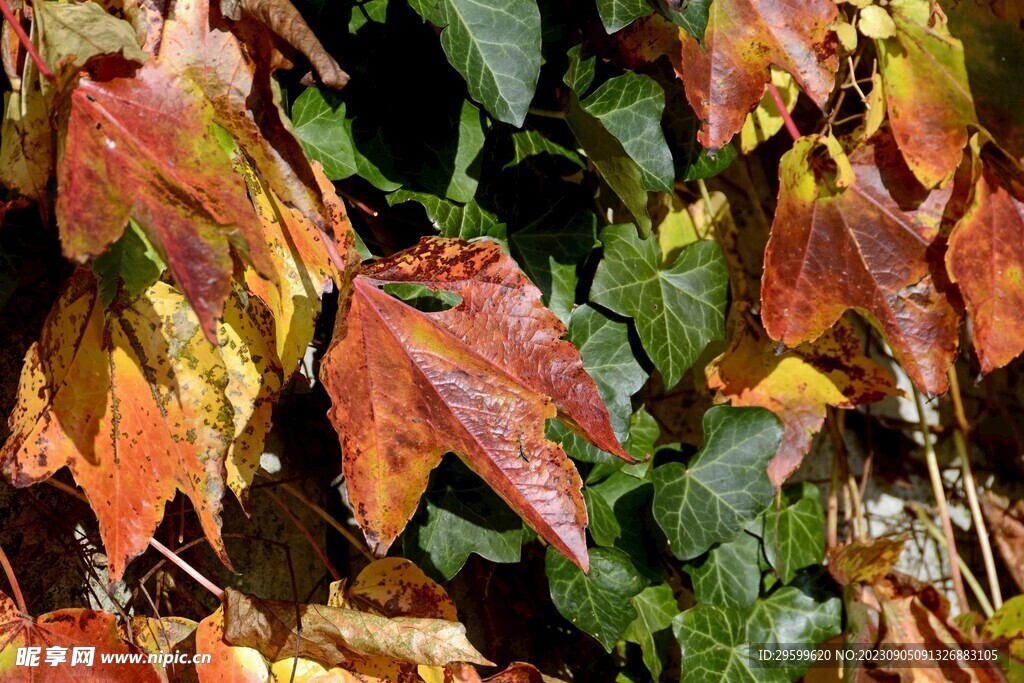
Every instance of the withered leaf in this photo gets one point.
(478, 379)
(330, 634)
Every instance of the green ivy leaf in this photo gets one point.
(319, 120)
(725, 485)
(693, 17)
(728, 576)
(678, 308)
(630, 108)
(618, 14)
(700, 164)
(460, 518)
(452, 220)
(597, 603)
(619, 505)
(549, 257)
(495, 45)
(793, 535)
(651, 630)
(580, 74)
(604, 346)
(713, 641)
(454, 171)
(531, 143)
(131, 260)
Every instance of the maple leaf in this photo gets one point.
(926, 91)
(986, 256)
(131, 150)
(67, 629)
(798, 384)
(726, 78)
(857, 233)
(478, 379)
(138, 405)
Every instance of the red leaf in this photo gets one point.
(858, 234)
(478, 379)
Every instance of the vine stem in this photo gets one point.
(940, 500)
(794, 132)
(153, 543)
(969, 576)
(26, 42)
(305, 533)
(961, 443)
(19, 598)
(326, 516)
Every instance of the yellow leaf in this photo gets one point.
(766, 121)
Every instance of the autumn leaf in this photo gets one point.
(138, 405)
(725, 80)
(864, 561)
(66, 629)
(133, 152)
(478, 379)
(986, 256)
(227, 663)
(858, 233)
(926, 91)
(327, 634)
(798, 384)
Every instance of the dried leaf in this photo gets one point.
(478, 379)
(798, 384)
(864, 562)
(1007, 527)
(330, 634)
(858, 234)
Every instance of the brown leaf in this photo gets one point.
(797, 385)
(394, 587)
(864, 562)
(986, 256)
(282, 18)
(1006, 525)
(330, 634)
(859, 234)
(478, 379)
(67, 629)
(725, 80)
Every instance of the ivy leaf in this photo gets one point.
(319, 120)
(794, 535)
(798, 384)
(692, 16)
(479, 379)
(529, 143)
(623, 176)
(724, 487)
(713, 641)
(618, 14)
(655, 607)
(132, 400)
(550, 257)
(863, 239)
(630, 108)
(678, 309)
(598, 602)
(462, 518)
(986, 257)
(466, 221)
(927, 96)
(582, 69)
(495, 46)
(66, 629)
(728, 576)
(618, 508)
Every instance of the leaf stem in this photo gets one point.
(969, 576)
(19, 598)
(940, 500)
(187, 568)
(546, 113)
(960, 442)
(306, 534)
(326, 516)
(794, 132)
(26, 42)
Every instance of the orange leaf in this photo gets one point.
(478, 379)
(858, 233)
(798, 384)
